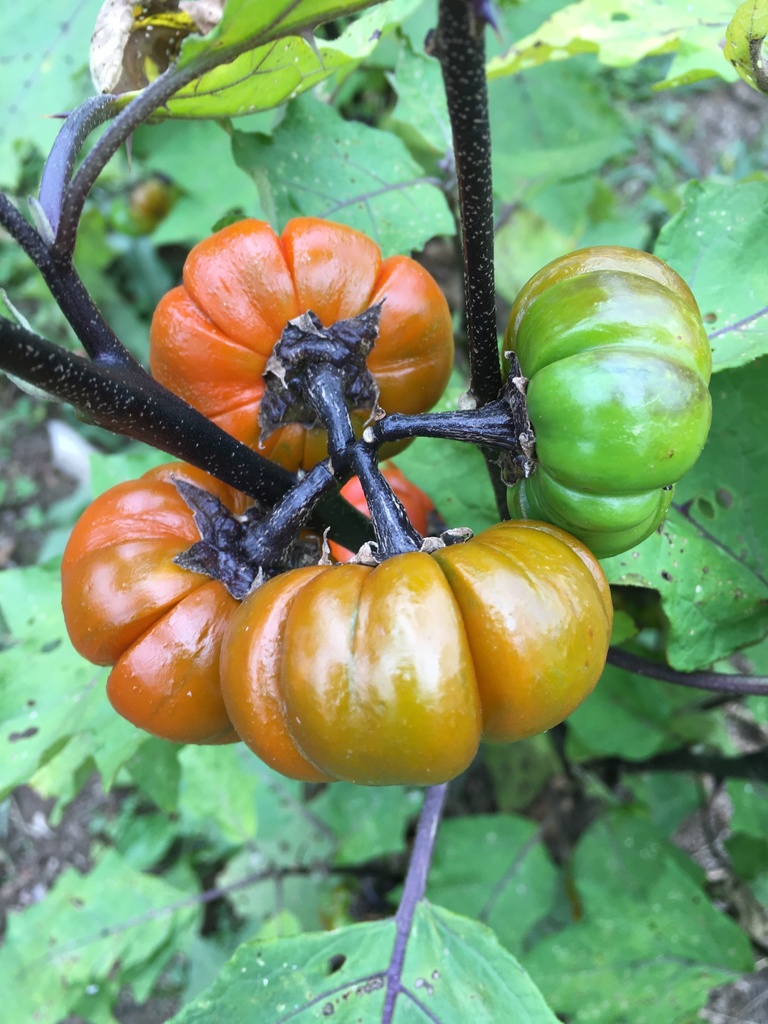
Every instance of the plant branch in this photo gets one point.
(140, 109)
(268, 542)
(413, 892)
(94, 333)
(490, 425)
(753, 767)
(61, 160)
(460, 48)
(127, 121)
(394, 532)
(323, 386)
(719, 682)
(127, 401)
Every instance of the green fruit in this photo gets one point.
(618, 363)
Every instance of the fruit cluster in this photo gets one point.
(393, 671)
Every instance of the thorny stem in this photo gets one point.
(413, 891)
(719, 682)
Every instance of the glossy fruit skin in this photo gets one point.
(211, 337)
(618, 363)
(392, 674)
(126, 604)
(417, 504)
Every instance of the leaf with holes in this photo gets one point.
(718, 242)
(453, 966)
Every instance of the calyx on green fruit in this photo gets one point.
(618, 365)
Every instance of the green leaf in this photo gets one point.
(718, 242)
(217, 793)
(647, 931)
(319, 165)
(708, 560)
(278, 54)
(43, 71)
(749, 25)
(197, 157)
(747, 844)
(366, 823)
(142, 839)
(564, 126)
(749, 803)
(420, 116)
(296, 840)
(494, 868)
(435, 465)
(632, 717)
(520, 770)
(621, 33)
(88, 933)
(668, 796)
(50, 697)
(134, 461)
(155, 770)
(451, 964)
(281, 876)
(555, 219)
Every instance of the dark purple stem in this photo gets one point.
(324, 388)
(413, 891)
(150, 99)
(491, 425)
(460, 48)
(719, 682)
(94, 333)
(265, 544)
(394, 531)
(61, 160)
(127, 401)
(137, 111)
